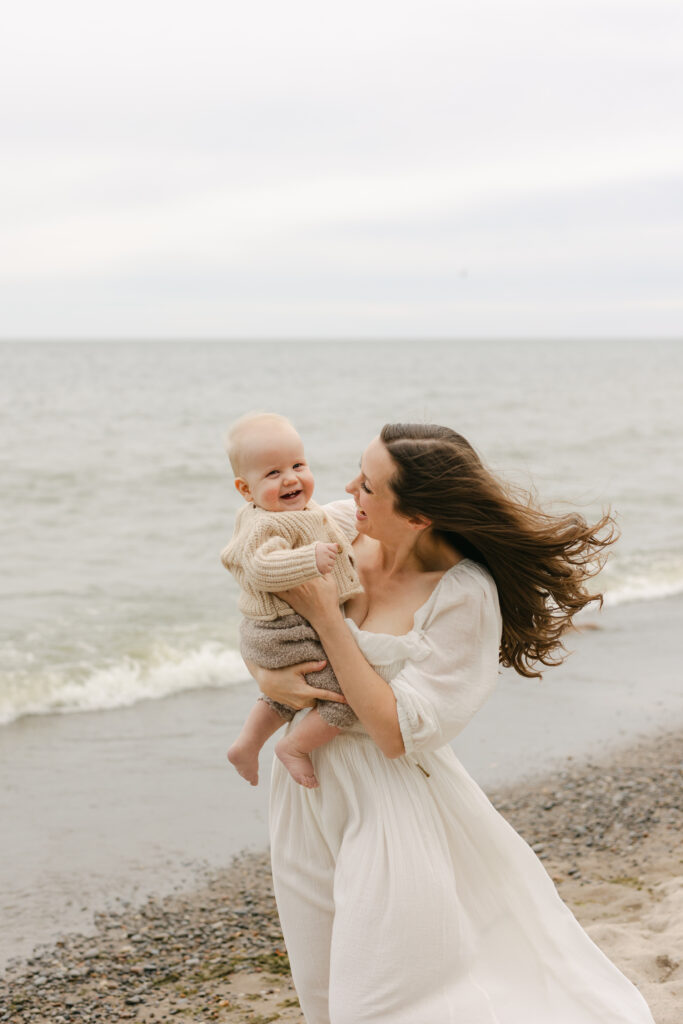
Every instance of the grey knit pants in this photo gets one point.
(291, 640)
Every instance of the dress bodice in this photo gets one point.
(388, 653)
(445, 667)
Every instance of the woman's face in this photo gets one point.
(375, 512)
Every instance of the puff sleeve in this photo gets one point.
(439, 692)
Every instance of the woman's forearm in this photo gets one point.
(369, 696)
(288, 685)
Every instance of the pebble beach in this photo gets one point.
(608, 831)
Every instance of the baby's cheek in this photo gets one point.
(309, 483)
(271, 494)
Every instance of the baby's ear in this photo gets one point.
(243, 487)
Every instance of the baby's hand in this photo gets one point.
(325, 556)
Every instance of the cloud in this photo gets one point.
(217, 169)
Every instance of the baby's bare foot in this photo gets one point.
(298, 764)
(244, 757)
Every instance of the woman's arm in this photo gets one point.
(366, 692)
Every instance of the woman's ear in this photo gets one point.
(243, 487)
(419, 522)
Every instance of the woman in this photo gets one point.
(404, 897)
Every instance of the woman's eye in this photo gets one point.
(365, 487)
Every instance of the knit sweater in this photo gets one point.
(273, 551)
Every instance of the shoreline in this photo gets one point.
(608, 831)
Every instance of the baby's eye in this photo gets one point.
(273, 472)
(298, 465)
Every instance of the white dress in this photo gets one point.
(406, 898)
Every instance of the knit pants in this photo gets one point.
(291, 640)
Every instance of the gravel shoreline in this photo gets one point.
(216, 953)
(612, 805)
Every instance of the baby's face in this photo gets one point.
(274, 471)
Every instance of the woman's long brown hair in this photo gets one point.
(540, 562)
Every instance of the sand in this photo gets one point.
(609, 834)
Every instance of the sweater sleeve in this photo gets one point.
(274, 565)
(438, 694)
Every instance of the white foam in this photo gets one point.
(660, 579)
(126, 682)
(643, 590)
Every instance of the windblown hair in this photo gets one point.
(540, 562)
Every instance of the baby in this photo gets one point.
(282, 539)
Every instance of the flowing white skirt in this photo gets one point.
(410, 900)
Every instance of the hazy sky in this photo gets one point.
(306, 169)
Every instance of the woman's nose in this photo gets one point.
(351, 486)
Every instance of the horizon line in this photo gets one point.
(337, 339)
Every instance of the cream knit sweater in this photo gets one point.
(272, 551)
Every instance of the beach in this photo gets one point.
(607, 830)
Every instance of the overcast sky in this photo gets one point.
(357, 169)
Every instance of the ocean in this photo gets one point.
(117, 496)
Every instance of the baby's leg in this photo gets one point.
(294, 748)
(262, 721)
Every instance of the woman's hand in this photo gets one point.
(288, 685)
(317, 600)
